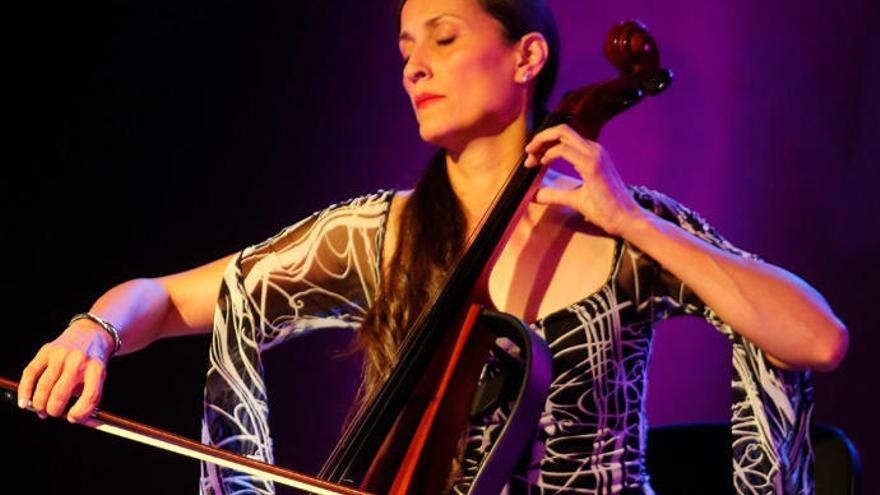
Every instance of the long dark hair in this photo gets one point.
(432, 223)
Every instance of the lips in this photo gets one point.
(426, 98)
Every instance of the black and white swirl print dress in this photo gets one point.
(322, 271)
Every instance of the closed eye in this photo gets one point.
(445, 41)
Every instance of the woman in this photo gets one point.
(614, 260)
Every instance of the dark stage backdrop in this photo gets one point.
(150, 137)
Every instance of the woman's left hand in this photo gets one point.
(603, 198)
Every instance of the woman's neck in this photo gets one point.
(479, 170)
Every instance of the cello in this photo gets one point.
(393, 435)
(404, 409)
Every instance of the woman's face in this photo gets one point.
(454, 49)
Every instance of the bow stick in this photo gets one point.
(138, 432)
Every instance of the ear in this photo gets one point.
(531, 54)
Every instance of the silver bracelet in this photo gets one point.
(106, 325)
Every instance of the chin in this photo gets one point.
(452, 135)
(442, 137)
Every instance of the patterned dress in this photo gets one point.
(322, 272)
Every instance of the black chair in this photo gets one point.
(695, 458)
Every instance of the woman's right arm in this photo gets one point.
(143, 310)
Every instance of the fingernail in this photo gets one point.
(21, 402)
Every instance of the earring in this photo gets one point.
(526, 75)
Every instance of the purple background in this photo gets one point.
(152, 138)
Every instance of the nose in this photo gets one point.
(416, 67)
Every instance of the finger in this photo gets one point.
(538, 158)
(554, 153)
(540, 144)
(91, 394)
(29, 376)
(546, 135)
(568, 139)
(587, 161)
(44, 387)
(554, 196)
(580, 158)
(531, 160)
(552, 135)
(543, 140)
(63, 389)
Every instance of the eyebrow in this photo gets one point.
(404, 36)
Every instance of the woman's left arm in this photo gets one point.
(773, 308)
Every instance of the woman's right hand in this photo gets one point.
(75, 363)
(146, 308)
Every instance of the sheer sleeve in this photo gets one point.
(771, 408)
(320, 272)
(670, 296)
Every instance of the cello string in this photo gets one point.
(406, 344)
